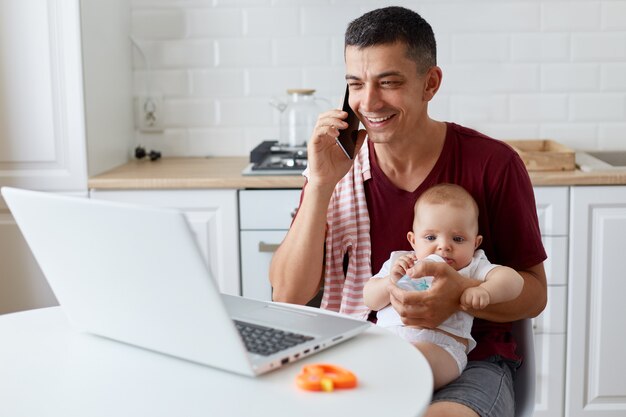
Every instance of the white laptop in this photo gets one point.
(135, 274)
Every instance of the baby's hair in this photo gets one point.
(445, 193)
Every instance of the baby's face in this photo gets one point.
(447, 231)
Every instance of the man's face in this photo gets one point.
(386, 91)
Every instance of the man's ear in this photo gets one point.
(478, 241)
(432, 82)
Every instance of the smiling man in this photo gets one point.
(353, 214)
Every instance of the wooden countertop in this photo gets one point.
(225, 172)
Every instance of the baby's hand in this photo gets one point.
(475, 297)
(399, 268)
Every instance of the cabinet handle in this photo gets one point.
(268, 247)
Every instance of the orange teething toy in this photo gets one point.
(324, 377)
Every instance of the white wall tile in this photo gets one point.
(504, 131)
(320, 21)
(482, 16)
(479, 108)
(613, 77)
(278, 22)
(480, 48)
(215, 22)
(238, 53)
(570, 77)
(302, 51)
(572, 134)
(187, 113)
(269, 82)
(176, 54)
(217, 83)
(245, 112)
(539, 107)
(614, 15)
(159, 24)
(330, 82)
(495, 78)
(166, 82)
(540, 47)
(612, 136)
(570, 15)
(240, 3)
(216, 142)
(599, 47)
(598, 107)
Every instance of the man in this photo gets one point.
(352, 215)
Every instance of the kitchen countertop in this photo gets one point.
(225, 172)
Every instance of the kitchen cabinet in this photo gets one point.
(550, 326)
(59, 110)
(596, 364)
(212, 216)
(264, 218)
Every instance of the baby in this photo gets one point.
(445, 229)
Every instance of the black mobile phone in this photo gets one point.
(347, 137)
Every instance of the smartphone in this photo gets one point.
(347, 137)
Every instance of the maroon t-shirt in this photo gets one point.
(495, 176)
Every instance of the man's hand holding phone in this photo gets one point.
(327, 160)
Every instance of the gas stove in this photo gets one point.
(272, 158)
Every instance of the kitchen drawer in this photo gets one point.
(556, 264)
(257, 248)
(553, 210)
(552, 320)
(267, 209)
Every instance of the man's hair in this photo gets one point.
(395, 24)
(450, 194)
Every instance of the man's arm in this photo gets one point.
(296, 269)
(430, 308)
(297, 266)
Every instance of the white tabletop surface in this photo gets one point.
(48, 369)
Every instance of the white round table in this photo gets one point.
(49, 369)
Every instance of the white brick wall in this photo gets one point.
(512, 68)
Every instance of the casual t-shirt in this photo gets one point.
(495, 176)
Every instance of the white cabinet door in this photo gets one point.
(212, 215)
(549, 370)
(549, 326)
(596, 364)
(42, 129)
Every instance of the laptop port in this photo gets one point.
(284, 361)
(307, 351)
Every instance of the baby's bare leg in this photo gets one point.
(443, 365)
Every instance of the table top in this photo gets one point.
(49, 369)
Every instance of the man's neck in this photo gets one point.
(408, 163)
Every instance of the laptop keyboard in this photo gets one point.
(266, 340)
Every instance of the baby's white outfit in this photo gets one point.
(458, 324)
